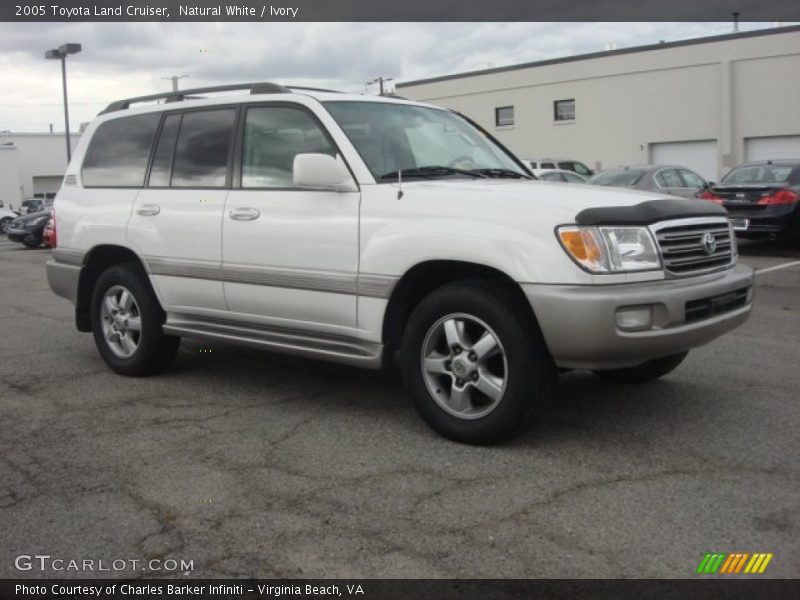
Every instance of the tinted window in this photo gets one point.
(627, 178)
(669, 178)
(201, 155)
(118, 153)
(504, 115)
(692, 179)
(161, 170)
(758, 174)
(548, 165)
(273, 136)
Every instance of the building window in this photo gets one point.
(564, 110)
(504, 115)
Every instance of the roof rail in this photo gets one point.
(264, 87)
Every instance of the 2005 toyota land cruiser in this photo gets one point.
(345, 228)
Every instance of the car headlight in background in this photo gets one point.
(610, 249)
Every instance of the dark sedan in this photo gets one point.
(667, 179)
(28, 229)
(761, 198)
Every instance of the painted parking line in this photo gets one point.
(776, 267)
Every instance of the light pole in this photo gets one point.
(380, 81)
(62, 52)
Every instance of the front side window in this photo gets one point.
(402, 137)
(503, 116)
(201, 153)
(564, 110)
(273, 136)
(119, 151)
(669, 178)
(577, 167)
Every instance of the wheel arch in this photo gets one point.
(97, 260)
(425, 277)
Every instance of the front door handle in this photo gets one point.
(148, 210)
(244, 214)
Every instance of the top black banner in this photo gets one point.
(407, 10)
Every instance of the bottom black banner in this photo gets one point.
(406, 589)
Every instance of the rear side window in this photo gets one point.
(201, 154)
(161, 171)
(617, 178)
(118, 153)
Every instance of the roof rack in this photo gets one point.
(264, 87)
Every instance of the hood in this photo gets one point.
(511, 195)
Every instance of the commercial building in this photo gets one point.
(708, 103)
(32, 165)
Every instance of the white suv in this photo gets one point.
(346, 228)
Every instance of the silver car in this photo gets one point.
(667, 179)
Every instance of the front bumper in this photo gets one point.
(19, 235)
(63, 279)
(580, 326)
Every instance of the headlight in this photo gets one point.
(610, 249)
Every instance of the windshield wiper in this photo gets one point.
(432, 171)
(489, 172)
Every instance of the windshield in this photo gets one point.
(758, 174)
(626, 178)
(398, 137)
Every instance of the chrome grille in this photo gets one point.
(684, 249)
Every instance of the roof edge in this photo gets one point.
(591, 55)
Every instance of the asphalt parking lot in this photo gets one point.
(253, 464)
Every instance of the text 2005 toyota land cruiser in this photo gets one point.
(344, 228)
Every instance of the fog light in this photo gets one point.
(635, 318)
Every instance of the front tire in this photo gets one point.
(4, 223)
(652, 369)
(475, 362)
(126, 323)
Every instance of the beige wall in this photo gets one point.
(37, 155)
(724, 90)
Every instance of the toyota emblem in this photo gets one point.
(709, 243)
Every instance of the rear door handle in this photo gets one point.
(244, 214)
(148, 210)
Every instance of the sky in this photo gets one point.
(131, 59)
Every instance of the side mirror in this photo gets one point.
(322, 172)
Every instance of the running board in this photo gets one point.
(286, 341)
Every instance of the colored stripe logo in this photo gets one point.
(734, 563)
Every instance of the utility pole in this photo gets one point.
(174, 79)
(380, 81)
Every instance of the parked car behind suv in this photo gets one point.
(28, 229)
(349, 228)
(762, 198)
(665, 179)
(560, 163)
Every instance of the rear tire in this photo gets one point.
(652, 369)
(475, 362)
(126, 323)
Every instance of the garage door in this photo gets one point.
(699, 156)
(765, 148)
(47, 186)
